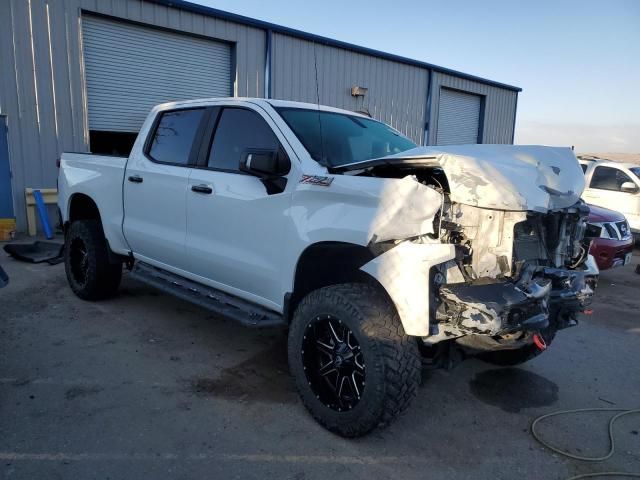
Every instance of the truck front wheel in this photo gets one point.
(353, 365)
(90, 273)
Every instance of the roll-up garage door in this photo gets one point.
(458, 117)
(129, 69)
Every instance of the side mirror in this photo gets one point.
(265, 163)
(629, 187)
(4, 278)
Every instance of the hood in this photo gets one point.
(501, 177)
(599, 214)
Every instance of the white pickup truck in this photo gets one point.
(378, 255)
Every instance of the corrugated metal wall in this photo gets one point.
(43, 91)
(44, 96)
(397, 92)
(499, 107)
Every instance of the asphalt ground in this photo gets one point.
(148, 386)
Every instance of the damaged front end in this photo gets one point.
(501, 270)
(519, 274)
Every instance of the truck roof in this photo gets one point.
(259, 101)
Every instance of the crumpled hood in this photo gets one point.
(501, 177)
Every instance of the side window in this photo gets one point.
(174, 135)
(584, 167)
(239, 130)
(608, 178)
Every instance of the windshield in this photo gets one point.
(335, 139)
(635, 171)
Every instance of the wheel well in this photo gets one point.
(327, 263)
(82, 207)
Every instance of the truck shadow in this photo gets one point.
(263, 377)
(512, 389)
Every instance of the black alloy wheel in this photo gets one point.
(333, 363)
(79, 261)
(353, 364)
(91, 274)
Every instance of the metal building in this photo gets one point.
(80, 75)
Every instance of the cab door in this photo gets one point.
(235, 223)
(155, 188)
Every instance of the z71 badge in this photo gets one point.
(316, 180)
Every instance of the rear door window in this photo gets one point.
(173, 137)
(238, 131)
(608, 178)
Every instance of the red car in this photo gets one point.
(612, 240)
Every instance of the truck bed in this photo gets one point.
(100, 177)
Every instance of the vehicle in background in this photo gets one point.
(611, 238)
(615, 186)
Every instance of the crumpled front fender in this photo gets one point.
(403, 271)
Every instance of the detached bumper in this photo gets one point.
(503, 307)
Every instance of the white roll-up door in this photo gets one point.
(458, 117)
(129, 69)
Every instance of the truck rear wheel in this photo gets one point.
(354, 366)
(90, 274)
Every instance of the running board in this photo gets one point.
(246, 313)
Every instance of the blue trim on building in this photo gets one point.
(515, 111)
(234, 17)
(427, 110)
(483, 102)
(6, 196)
(267, 64)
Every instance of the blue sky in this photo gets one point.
(578, 62)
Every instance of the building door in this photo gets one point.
(131, 68)
(459, 118)
(6, 200)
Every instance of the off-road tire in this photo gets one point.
(510, 358)
(391, 358)
(102, 277)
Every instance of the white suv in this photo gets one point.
(615, 186)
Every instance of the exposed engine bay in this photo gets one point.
(513, 273)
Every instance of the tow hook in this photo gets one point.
(539, 342)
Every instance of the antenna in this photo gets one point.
(315, 64)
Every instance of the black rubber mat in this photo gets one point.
(36, 252)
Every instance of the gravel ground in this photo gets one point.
(147, 386)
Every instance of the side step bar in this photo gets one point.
(214, 300)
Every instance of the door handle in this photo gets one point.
(202, 189)
(135, 179)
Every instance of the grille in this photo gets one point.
(623, 228)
